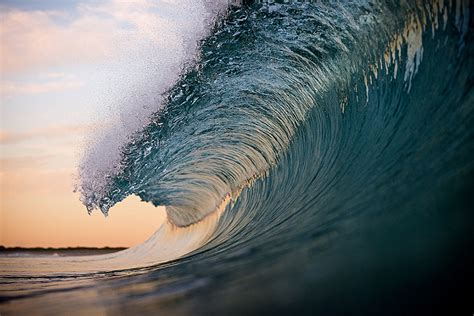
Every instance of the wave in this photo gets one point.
(229, 119)
(305, 143)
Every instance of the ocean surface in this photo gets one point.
(313, 158)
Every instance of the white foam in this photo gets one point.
(162, 41)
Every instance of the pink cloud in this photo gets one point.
(14, 88)
(34, 39)
(49, 132)
(39, 39)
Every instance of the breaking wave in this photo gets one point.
(305, 145)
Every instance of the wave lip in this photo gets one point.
(171, 34)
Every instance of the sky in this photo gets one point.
(66, 67)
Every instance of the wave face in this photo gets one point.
(330, 144)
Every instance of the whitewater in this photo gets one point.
(307, 154)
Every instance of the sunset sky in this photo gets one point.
(65, 66)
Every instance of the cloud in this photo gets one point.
(56, 75)
(49, 132)
(38, 39)
(10, 88)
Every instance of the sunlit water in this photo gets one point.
(317, 159)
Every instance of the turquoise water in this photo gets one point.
(327, 149)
